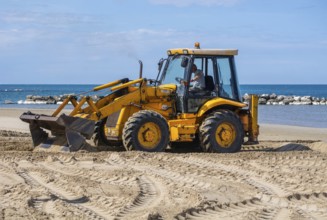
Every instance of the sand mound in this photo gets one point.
(319, 146)
(293, 147)
(15, 141)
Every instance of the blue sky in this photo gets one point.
(94, 42)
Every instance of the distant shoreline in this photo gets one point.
(14, 93)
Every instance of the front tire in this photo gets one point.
(146, 131)
(100, 138)
(221, 132)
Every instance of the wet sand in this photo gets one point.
(284, 177)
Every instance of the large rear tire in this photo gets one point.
(221, 132)
(146, 131)
(100, 138)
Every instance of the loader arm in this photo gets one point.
(94, 111)
(69, 132)
(110, 105)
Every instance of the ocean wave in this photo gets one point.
(12, 90)
(38, 102)
(7, 102)
(28, 102)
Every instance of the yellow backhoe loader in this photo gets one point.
(149, 115)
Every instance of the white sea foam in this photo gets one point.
(30, 102)
(60, 102)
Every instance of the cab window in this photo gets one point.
(174, 71)
(226, 84)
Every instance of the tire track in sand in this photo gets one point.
(271, 195)
(74, 202)
(107, 205)
(13, 190)
(12, 141)
(151, 192)
(161, 178)
(149, 196)
(246, 176)
(305, 173)
(38, 204)
(72, 169)
(175, 178)
(212, 209)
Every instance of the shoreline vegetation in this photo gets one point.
(264, 99)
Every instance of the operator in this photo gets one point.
(198, 79)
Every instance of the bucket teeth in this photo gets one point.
(38, 135)
(75, 140)
(80, 125)
(69, 132)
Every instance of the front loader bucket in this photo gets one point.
(68, 133)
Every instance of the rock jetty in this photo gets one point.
(264, 99)
(9, 102)
(273, 99)
(36, 99)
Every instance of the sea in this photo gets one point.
(298, 115)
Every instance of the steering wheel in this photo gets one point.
(179, 80)
(152, 81)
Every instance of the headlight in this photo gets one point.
(164, 107)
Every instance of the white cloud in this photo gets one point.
(15, 36)
(135, 44)
(45, 19)
(137, 41)
(185, 3)
(125, 38)
(36, 26)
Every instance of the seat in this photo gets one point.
(210, 86)
(207, 91)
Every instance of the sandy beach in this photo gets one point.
(284, 177)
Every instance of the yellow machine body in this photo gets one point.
(126, 98)
(183, 127)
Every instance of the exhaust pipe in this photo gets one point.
(141, 69)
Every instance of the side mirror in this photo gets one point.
(184, 62)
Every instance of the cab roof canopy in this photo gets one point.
(197, 51)
(222, 52)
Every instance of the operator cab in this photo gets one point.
(216, 66)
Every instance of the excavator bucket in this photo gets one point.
(67, 133)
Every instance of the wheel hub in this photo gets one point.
(149, 135)
(225, 134)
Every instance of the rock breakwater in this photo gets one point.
(273, 99)
(36, 99)
(264, 99)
